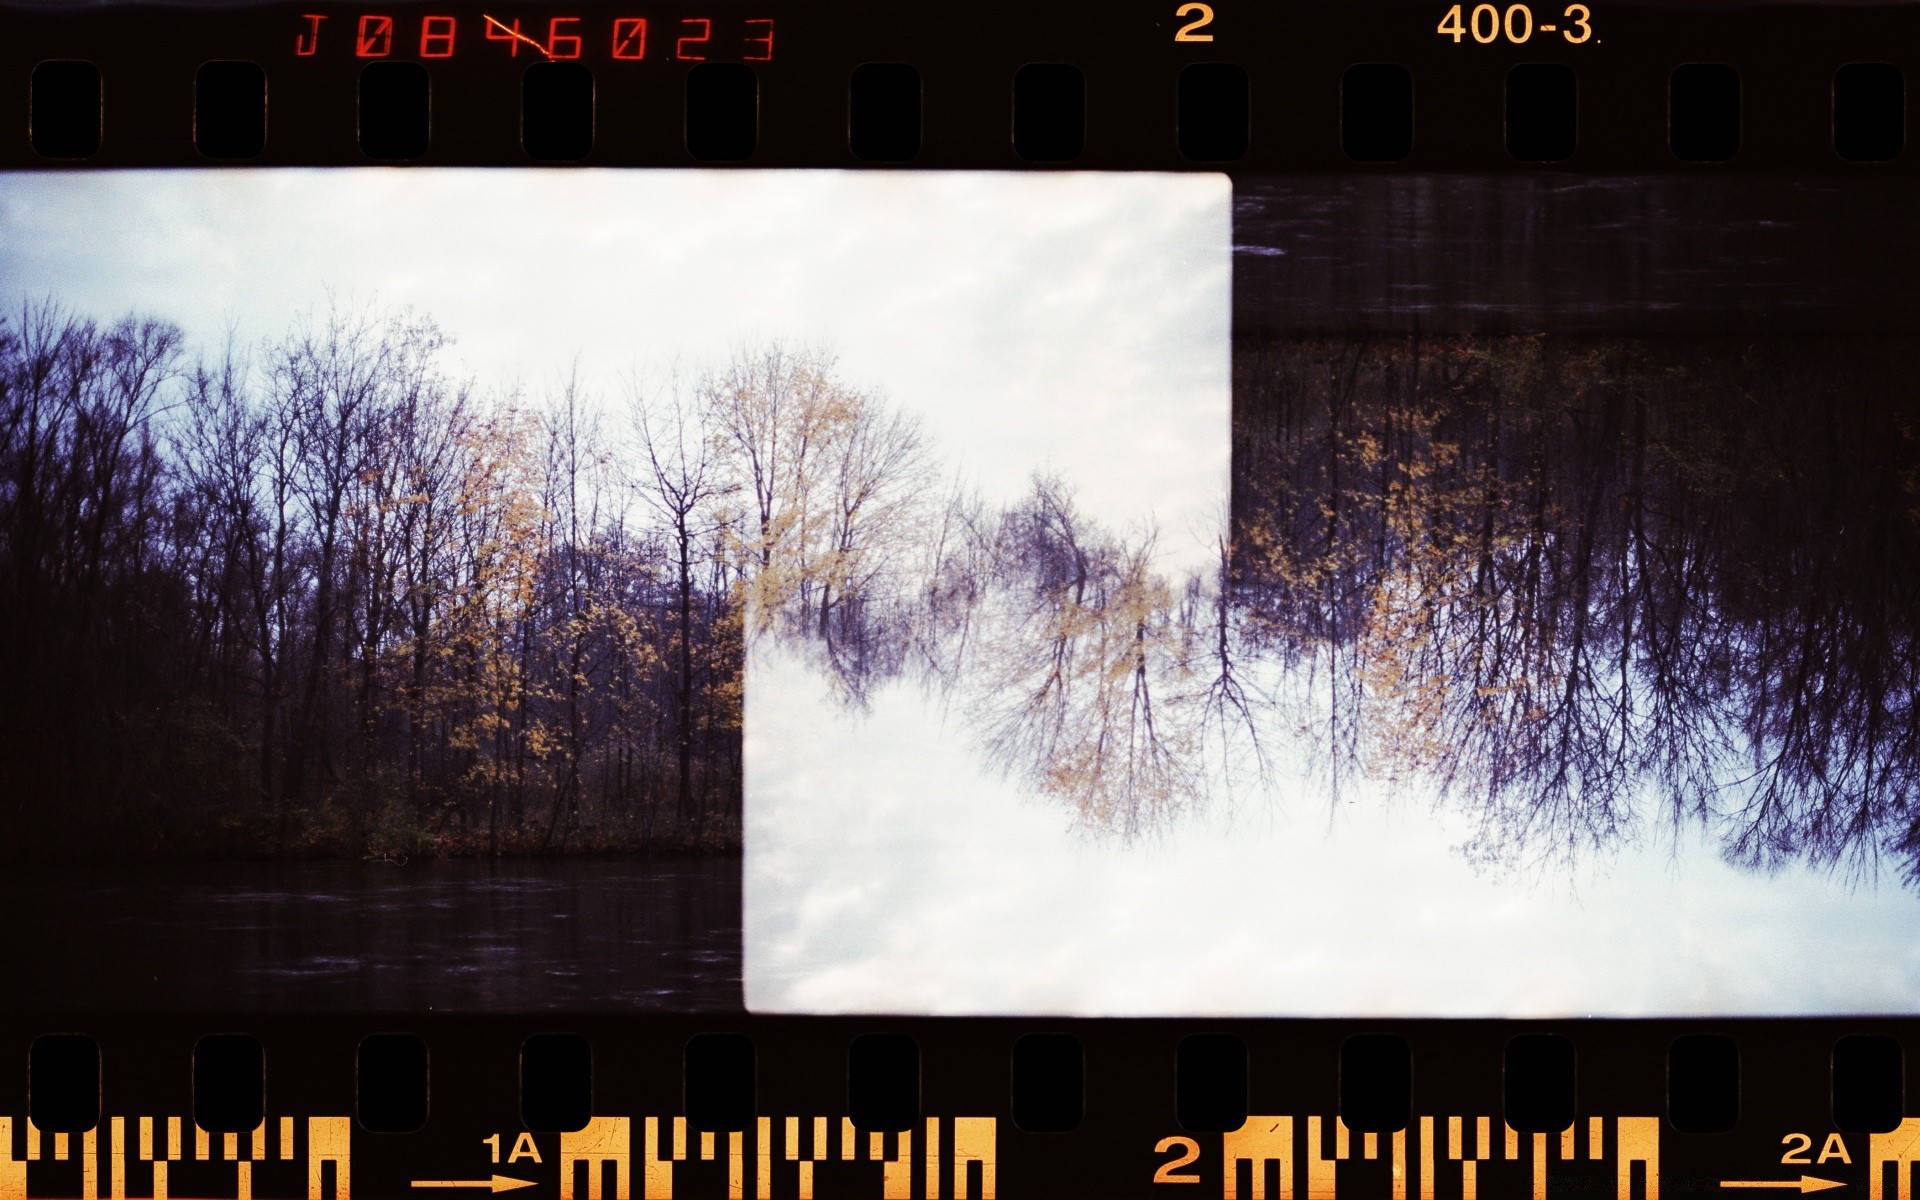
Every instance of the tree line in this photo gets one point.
(323, 595)
(1576, 588)
(1587, 587)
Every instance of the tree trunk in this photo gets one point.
(685, 699)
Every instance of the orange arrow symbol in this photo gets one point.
(1806, 1183)
(499, 1183)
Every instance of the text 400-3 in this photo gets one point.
(1488, 23)
(689, 39)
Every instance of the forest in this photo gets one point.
(1584, 588)
(1583, 591)
(323, 596)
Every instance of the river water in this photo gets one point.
(1658, 254)
(628, 935)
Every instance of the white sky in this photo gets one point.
(1080, 302)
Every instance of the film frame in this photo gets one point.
(1400, 1107)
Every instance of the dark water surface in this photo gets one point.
(1658, 254)
(604, 934)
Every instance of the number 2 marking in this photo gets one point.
(1187, 33)
(1169, 1171)
(680, 50)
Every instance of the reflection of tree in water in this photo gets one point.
(1571, 587)
(1574, 581)
(1082, 678)
(1067, 656)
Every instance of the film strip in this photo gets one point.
(1634, 89)
(1156, 599)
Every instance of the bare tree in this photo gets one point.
(774, 409)
(680, 480)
